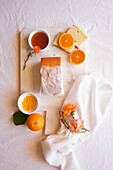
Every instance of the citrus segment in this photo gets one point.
(66, 41)
(35, 122)
(77, 56)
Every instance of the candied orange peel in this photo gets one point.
(29, 103)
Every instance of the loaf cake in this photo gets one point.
(51, 77)
(78, 35)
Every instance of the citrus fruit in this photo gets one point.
(66, 41)
(35, 122)
(77, 56)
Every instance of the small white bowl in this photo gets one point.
(34, 32)
(21, 99)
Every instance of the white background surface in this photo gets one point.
(19, 147)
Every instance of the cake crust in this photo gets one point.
(51, 61)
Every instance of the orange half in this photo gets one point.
(66, 41)
(77, 56)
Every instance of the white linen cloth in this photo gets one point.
(93, 97)
(20, 147)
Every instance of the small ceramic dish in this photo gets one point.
(38, 31)
(21, 99)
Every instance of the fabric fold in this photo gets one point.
(93, 96)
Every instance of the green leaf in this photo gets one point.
(83, 130)
(72, 113)
(19, 118)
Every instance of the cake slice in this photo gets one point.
(78, 35)
(51, 76)
(56, 43)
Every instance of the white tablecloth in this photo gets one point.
(19, 147)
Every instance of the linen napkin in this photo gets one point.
(93, 96)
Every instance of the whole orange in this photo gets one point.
(35, 122)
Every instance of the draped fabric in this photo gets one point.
(93, 97)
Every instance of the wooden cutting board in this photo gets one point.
(30, 77)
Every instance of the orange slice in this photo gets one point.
(66, 41)
(77, 56)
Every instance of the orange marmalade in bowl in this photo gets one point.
(29, 103)
(39, 38)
